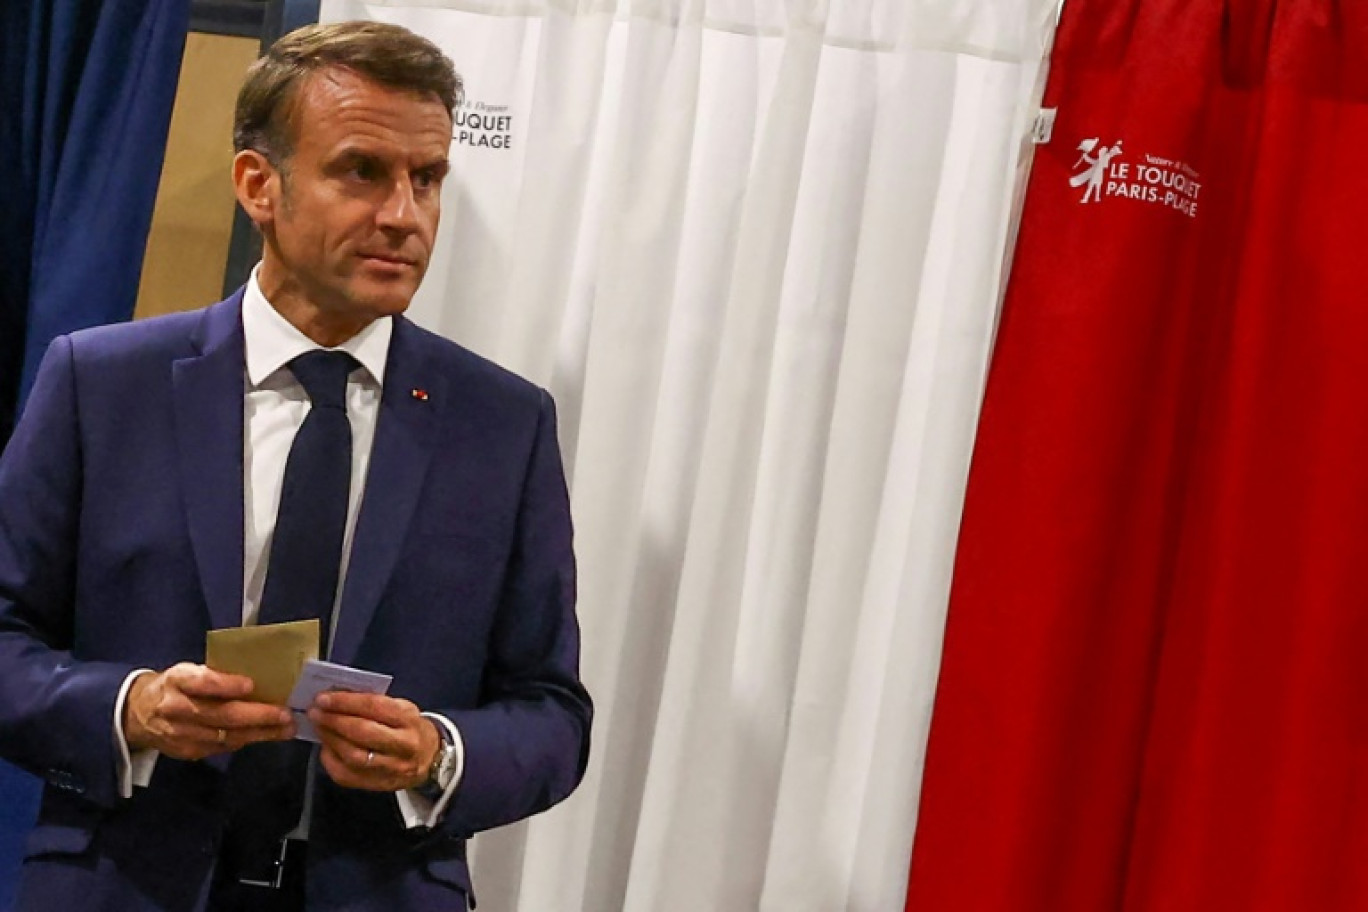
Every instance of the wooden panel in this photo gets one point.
(193, 219)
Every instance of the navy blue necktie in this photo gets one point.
(306, 549)
(267, 781)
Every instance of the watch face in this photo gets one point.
(446, 766)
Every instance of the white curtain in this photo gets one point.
(754, 248)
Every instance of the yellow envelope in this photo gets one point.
(270, 654)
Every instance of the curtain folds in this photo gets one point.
(754, 249)
(1151, 694)
(88, 89)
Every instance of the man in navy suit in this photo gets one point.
(147, 497)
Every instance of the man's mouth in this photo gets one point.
(389, 258)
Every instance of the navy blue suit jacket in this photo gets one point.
(121, 536)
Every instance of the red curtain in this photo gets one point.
(1154, 692)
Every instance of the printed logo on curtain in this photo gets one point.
(483, 125)
(1104, 172)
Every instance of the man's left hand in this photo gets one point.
(374, 742)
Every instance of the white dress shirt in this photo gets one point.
(274, 406)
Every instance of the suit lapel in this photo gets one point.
(404, 434)
(208, 402)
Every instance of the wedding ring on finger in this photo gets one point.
(222, 736)
(370, 755)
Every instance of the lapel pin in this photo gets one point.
(419, 394)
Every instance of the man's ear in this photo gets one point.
(257, 184)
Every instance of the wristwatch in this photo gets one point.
(443, 768)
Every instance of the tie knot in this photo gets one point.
(323, 374)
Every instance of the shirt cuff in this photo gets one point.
(418, 811)
(135, 767)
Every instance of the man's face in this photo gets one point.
(351, 220)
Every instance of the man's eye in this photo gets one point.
(426, 180)
(365, 171)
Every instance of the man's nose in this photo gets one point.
(399, 209)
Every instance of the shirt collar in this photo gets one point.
(273, 342)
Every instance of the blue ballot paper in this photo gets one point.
(317, 676)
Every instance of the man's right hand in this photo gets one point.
(190, 712)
